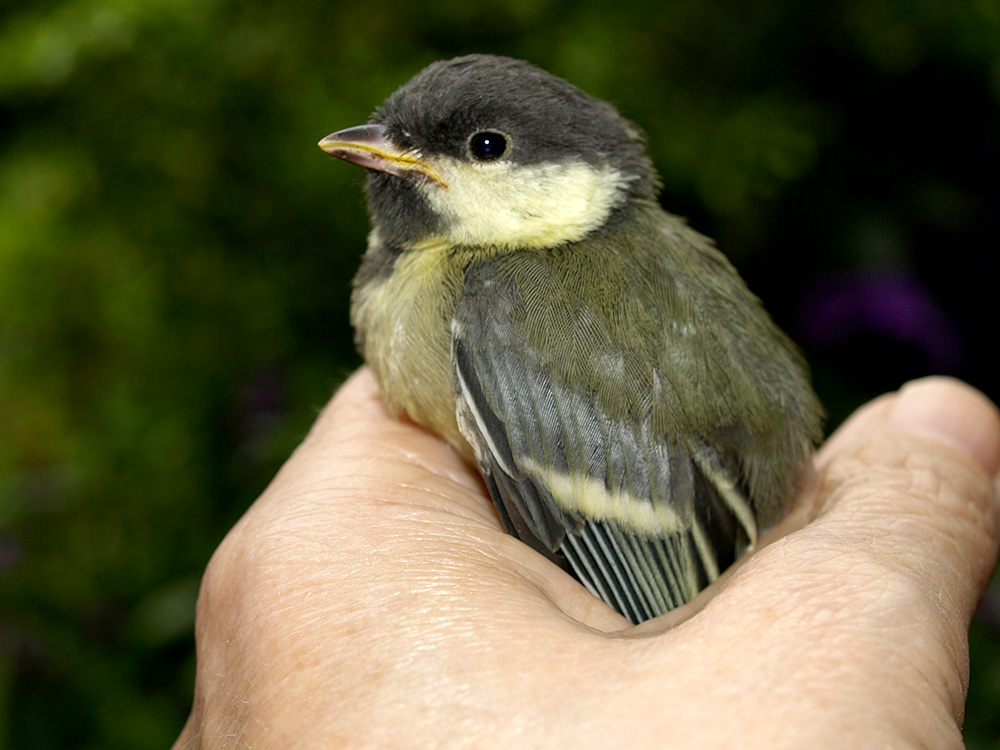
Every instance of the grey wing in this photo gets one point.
(645, 522)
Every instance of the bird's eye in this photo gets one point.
(488, 145)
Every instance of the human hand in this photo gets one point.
(370, 598)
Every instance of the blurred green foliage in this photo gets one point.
(176, 254)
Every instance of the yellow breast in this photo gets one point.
(404, 323)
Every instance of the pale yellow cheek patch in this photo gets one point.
(513, 205)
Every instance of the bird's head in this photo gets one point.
(491, 151)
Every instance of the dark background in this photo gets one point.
(176, 253)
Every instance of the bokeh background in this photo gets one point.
(176, 255)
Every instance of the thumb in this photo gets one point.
(907, 492)
(914, 473)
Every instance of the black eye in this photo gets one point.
(488, 145)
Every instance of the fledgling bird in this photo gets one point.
(634, 411)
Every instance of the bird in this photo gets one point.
(636, 415)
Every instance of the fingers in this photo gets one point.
(358, 453)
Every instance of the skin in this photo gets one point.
(370, 599)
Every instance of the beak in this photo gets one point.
(367, 146)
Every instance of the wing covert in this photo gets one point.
(644, 519)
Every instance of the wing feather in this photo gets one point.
(638, 430)
(570, 480)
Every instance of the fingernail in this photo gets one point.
(951, 412)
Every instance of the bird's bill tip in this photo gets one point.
(370, 136)
(367, 146)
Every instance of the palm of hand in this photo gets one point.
(371, 599)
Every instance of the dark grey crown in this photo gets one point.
(546, 118)
(543, 118)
